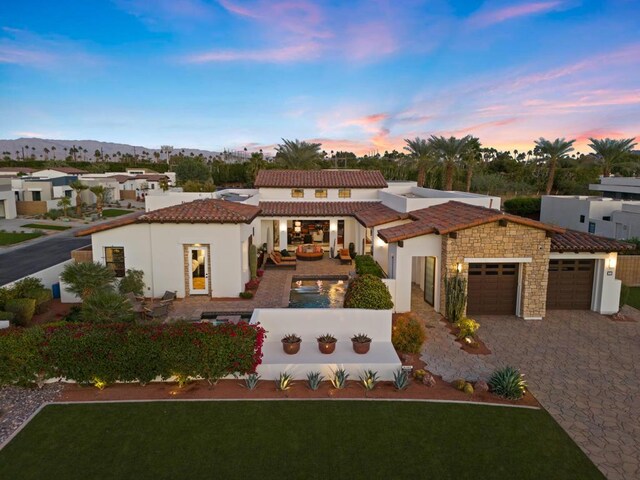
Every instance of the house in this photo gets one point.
(7, 200)
(128, 185)
(198, 243)
(37, 195)
(619, 188)
(55, 172)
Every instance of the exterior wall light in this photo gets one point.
(459, 267)
(612, 261)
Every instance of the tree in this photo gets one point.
(255, 164)
(64, 203)
(46, 153)
(132, 282)
(191, 169)
(100, 192)
(84, 278)
(470, 158)
(53, 149)
(611, 151)
(419, 149)
(97, 154)
(106, 306)
(78, 187)
(449, 151)
(297, 154)
(554, 151)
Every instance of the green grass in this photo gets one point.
(310, 439)
(8, 238)
(114, 212)
(44, 226)
(631, 296)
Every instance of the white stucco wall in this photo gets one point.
(284, 194)
(8, 201)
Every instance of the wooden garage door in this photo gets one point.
(492, 289)
(570, 284)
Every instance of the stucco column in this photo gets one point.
(283, 233)
(333, 233)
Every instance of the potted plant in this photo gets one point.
(291, 344)
(327, 343)
(361, 343)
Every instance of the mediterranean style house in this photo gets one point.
(199, 243)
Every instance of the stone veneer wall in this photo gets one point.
(511, 241)
(187, 266)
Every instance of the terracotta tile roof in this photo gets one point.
(121, 178)
(68, 170)
(17, 169)
(573, 241)
(379, 214)
(152, 177)
(307, 209)
(115, 223)
(320, 179)
(452, 216)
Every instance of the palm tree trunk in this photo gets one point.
(78, 204)
(422, 176)
(448, 175)
(552, 174)
(469, 175)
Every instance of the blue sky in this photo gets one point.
(360, 75)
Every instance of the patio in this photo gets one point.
(273, 292)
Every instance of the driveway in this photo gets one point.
(584, 368)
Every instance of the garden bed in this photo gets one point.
(478, 349)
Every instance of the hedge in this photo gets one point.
(366, 265)
(7, 316)
(522, 205)
(91, 353)
(42, 296)
(23, 308)
(368, 291)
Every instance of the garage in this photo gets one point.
(492, 289)
(570, 284)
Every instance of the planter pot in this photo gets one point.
(361, 347)
(291, 348)
(327, 347)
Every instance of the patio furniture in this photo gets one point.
(168, 296)
(345, 257)
(157, 310)
(309, 252)
(276, 260)
(137, 303)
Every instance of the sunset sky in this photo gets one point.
(358, 75)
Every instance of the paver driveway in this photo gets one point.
(583, 367)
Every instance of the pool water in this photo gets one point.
(317, 293)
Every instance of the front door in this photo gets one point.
(199, 277)
(429, 280)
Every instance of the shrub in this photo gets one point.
(352, 250)
(368, 291)
(132, 282)
(252, 284)
(458, 384)
(253, 261)
(85, 278)
(507, 382)
(468, 389)
(455, 297)
(106, 306)
(7, 316)
(246, 295)
(74, 315)
(23, 308)
(408, 335)
(522, 205)
(42, 296)
(467, 327)
(366, 265)
(21, 360)
(5, 295)
(26, 285)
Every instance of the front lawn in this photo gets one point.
(44, 226)
(297, 439)
(9, 238)
(114, 212)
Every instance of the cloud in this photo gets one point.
(286, 54)
(168, 12)
(486, 18)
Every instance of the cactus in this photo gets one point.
(400, 379)
(251, 382)
(459, 384)
(314, 379)
(253, 261)
(468, 389)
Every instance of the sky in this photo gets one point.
(357, 75)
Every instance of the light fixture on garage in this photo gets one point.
(611, 262)
(459, 267)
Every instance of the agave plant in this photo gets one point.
(327, 338)
(339, 379)
(508, 383)
(361, 338)
(314, 379)
(291, 338)
(251, 382)
(284, 381)
(400, 379)
(369, 379)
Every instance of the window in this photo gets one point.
(581, 218)
(114, 259)
(35, 196)
(297, 193)
(321, 193)
(344, 193)
(592, 227)
(607, 218)
(67, 193)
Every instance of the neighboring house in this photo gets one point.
(7, 199)
(619, 219)
(619, 188)
(15, 171)
(127, 186)
(55, 172)
(37, 195)
(198, 243)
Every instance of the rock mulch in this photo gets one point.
(17, 404)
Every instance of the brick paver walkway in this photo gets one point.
(583, 367)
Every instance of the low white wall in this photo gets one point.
(66, 296)
(48, 276)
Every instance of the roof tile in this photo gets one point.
(306, 209)
(573, 241)
(320, 179)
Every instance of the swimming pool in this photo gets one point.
(317, 292)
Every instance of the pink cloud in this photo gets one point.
(369, 40)
(285, 54)
(491, 17)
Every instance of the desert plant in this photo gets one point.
(456, 297)
(360, 338)
(400, 379)
(106, 306)
(284, 382)
(251, 381)
(339, 378)
(326, 338)
(408, 335)
(507, 382)
(368, 291)
(253, 261)
(22, 308)
(291, 338)
(314, 379)
(468, 388)
(132, 282)
(467, 327)
(459, 383)
(82, 279)
(369, 379)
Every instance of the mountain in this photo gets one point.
(36, 146)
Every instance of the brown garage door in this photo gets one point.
(492, 289)
(570, 284)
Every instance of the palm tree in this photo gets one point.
(449, 151)
(46, 153)
(255, 164)
(556, 150)
(64, 203)
(419, 150)
(82, 279)
(470, 157)
(78, 187)
(297, 154)
(611, 151)
(100, 192)
(53, 149)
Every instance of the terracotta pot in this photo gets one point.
(361, 347)
(327, 347)
(291, 348)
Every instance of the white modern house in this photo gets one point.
(198, 243)
(7, 199)
(619, 188)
